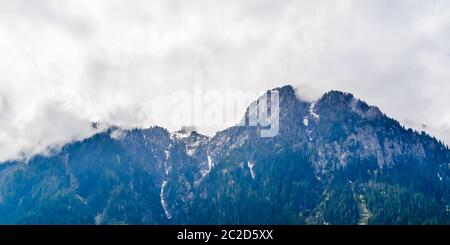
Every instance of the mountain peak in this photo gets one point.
(332, 95)
(342, 100)
(337, 96)
(184, 132)
(189, 133)
(285, 91)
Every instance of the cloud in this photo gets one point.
(46, 130)
(120, 61)
(307, 93)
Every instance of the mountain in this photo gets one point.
(334, 161)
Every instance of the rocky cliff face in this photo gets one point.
(335, 161)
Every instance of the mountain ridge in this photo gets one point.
(330, 163)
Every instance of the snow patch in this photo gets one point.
(98, 219)
(82, 200)
(190, 151)
(167, 168)
(205, 172)
(312, 111)
(251, 165)
(210, 163)
(117, 134)
(309, 133)
(166, 152)
(163, 200)
(312, 115)
(439, 177)
(306, 122)
(364, 213)
(179, 135)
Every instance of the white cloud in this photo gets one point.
(66, 63)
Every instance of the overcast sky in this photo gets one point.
(66, 63)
